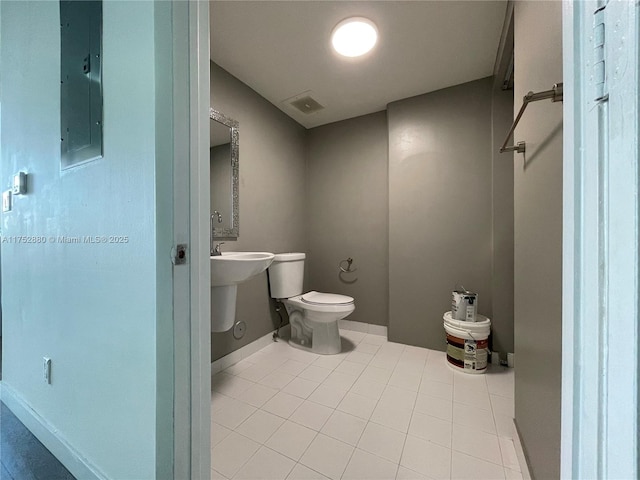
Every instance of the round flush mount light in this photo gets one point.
(354, 36)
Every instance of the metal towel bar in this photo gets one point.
(555, 94)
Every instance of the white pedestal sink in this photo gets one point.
(227, 271)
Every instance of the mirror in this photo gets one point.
(224, 163)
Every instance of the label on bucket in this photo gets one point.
(464, 305)
(475, 354)
(471, 313)
(467, 354)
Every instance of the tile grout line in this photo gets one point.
(493, 417)
(375, 406)
(368, 420)
(413, 410)
(406, 434)
(496, 435)
(316, 432)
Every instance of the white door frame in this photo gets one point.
(600, 244)
(200, 263)
(191, 295)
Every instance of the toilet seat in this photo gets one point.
(332, 303)
(320, 299)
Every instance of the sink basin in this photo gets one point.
(227, 271)
(232, 268)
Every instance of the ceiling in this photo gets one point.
(282, 49)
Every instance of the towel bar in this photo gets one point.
(555, 94)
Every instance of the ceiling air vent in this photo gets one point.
(304, 103)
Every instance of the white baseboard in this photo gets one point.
(522, 460)
(363, 327)
(73, 461)
(243, 352)
(251, 348)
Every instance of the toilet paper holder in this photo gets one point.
(347, 262)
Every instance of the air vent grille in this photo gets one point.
(306, 104)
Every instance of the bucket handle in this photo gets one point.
(467, 332)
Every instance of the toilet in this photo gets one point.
(313, 316)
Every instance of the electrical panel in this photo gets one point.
(80, 82)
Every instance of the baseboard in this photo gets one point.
(522, 459)
(73, 461)
(363, 327)
(243, 352)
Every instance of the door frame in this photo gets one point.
(600, 244)
(200, 201)
(191, 282)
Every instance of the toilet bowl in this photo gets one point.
(314, 320)
(313, 315)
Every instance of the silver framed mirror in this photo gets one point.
(224, 156)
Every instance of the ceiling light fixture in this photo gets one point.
(354, 36)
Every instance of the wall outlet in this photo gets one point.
(46, 365)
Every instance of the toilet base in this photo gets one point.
(299, 346)
(325, 339)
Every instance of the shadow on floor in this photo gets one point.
(347, 345)
(22, 456)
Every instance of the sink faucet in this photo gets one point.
(216, 250)
(216, 213)
(211, 249)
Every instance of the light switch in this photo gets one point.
(19, 184)
(6, 201)
(46, 369)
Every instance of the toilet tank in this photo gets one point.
(286, 275)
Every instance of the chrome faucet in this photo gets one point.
(212, 250)
(216, 250)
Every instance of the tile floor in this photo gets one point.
(379, 410)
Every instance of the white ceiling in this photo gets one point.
(282, 49)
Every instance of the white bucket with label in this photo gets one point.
(464, 305)
(467, 343)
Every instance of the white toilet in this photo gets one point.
(313, 316)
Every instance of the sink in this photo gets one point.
(227, 271)
(232, 268)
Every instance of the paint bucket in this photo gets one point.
(467, 343)
(464, 305)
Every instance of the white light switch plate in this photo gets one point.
(46, 366)
(6, 201)
(19, 183)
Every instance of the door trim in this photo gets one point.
(600, 243)
(200, 263)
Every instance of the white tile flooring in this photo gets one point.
(379, 411)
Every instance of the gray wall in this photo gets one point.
(414, 195)
(502, 201)
(538, 237)
(272, 196)
(502, 225)
(347, 212)
(439, 207)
